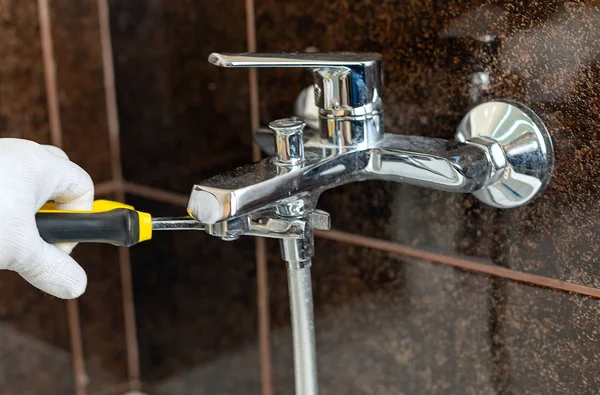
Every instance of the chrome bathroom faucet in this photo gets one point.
(502, 154)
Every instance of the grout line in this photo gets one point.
(76, 340)
(465, 264)
(253, 77)
(161, 195)
(112, 113)
(50, 73)
(56, 138)
(129, 317)
(262, 273)
(264, 325)
(133, 362)
(105, 188)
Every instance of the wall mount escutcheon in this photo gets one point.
(526, 150)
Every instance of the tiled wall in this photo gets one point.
(416, 291)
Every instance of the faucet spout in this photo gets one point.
(434, 163)
(266, 183)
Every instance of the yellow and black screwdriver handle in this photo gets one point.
(108, 222)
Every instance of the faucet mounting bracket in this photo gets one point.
(526, 151)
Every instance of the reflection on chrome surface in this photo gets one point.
(503, 155)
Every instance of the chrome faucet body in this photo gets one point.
(502, 153)
(435, 163)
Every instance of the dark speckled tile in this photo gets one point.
(544, 55)
(23, 111)
(34, 340)
(389, 325)
(195, 300)
(181, 120)
(35, 355)
(80, 82)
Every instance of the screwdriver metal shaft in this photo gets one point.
(176, 223)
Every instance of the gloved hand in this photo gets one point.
(30, 175)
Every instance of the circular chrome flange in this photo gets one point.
(527, 147)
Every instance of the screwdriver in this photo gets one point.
(108, 222)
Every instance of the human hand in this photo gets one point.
(31, 175)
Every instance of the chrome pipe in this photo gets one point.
(303, 328)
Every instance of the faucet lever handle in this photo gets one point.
(296, 59)
(343, 80)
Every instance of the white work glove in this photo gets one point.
(31, 175)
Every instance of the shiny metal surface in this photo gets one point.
(297, 254)
(303, 331)
(505, 161)
(348, 88)
(320, 220)
(435, 163)
(343, 80)
(289, 144)
(176, 223)
(265, 139)
(275, 223)
(523, 139)
(502, 154)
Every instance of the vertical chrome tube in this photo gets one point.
(289, 142)
(303, 328)
(297, 254)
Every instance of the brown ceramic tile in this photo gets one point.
(80, 83)
(23, 111)
(390, 325)
(544, 56)
(181, 120)
(34, 339)
(195, 300)
(101, 317)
